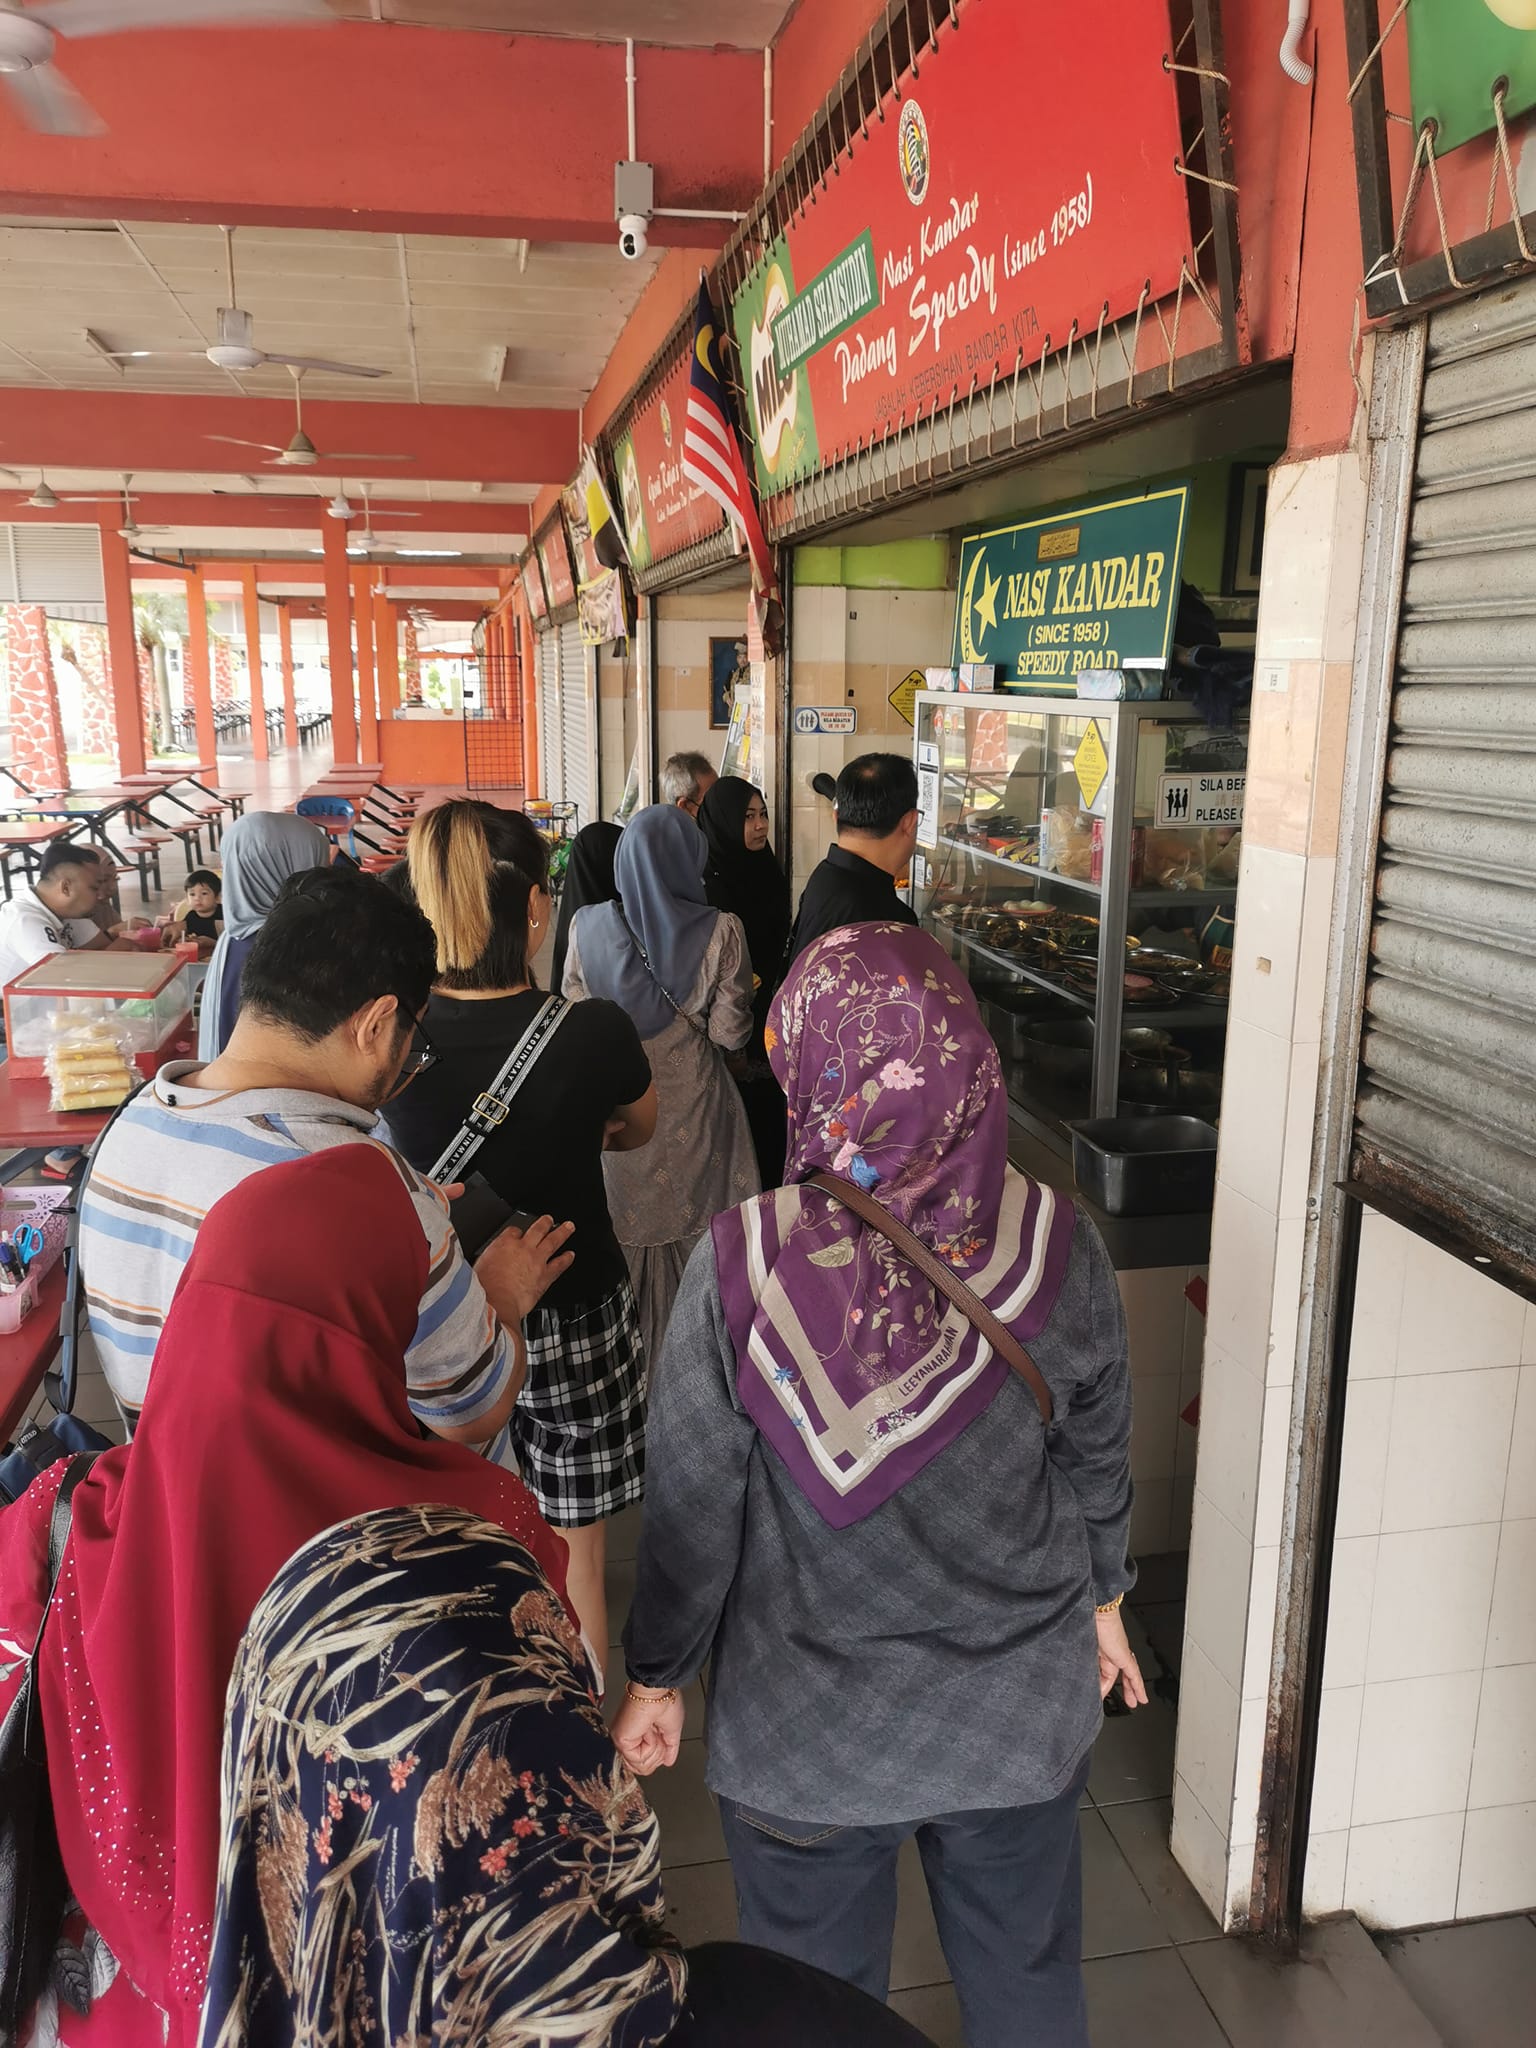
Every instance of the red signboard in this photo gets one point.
(661, 510)
(555, 561)
(533, 584)
(1022, 181)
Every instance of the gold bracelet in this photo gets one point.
(649, 1699)
(1110, 1606)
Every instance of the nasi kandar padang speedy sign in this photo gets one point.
(1010, 194)
(1093, 588)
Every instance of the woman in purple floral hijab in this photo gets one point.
(906, 1583)
(893, 1082)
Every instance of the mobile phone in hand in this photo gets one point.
(479, 1214)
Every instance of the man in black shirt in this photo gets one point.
(876, 835)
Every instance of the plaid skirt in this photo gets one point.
(579, 1425)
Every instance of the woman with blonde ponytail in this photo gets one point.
(480, 877)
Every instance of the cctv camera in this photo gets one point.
(632, 237)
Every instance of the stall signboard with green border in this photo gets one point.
(1093, 588)
(663, 510)
(1007, 193)
(1457, 51)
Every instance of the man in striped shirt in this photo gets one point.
(327, 1032)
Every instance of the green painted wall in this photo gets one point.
(895, 565)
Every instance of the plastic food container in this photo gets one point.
(148, 995)
(1145, 1165)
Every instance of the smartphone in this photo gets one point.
(480, 1213)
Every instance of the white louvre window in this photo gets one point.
(575, 722)
(549, 715)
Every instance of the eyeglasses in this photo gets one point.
(420, 1055)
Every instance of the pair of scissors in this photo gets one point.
(27, 1242)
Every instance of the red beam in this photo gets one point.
(130, 430)
(352, 127)
(311, 573)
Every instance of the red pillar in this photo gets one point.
(338, 631)
(251, 603)
(200, 669)
(37, 732)
(367, 684)
(386, 653)
(290, 699)
(122, 651)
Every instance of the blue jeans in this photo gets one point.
(1007, 1892)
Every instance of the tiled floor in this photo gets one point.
(1158, 1972)
(1142, 1915)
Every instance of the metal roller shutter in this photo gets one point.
(575, 725)
(549, 715)
(1446, 1113)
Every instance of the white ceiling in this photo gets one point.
(434, 311)
(292, 485)
(739, 24)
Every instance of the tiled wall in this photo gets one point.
(1167, 1337)
(685, 625)
(1425, 1807)
(1312, 564)
(852, 647)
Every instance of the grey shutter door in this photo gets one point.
(1446, 1111)
(549, 715)
(575, 727)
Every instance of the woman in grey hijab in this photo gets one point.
(261, 850)
(682, 971)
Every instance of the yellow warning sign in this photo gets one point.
(904, 695)
(1091, 762)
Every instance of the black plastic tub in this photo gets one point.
(1145, 1165)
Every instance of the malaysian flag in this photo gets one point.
(711, 451)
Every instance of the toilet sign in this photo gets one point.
(840, 719)
(1200, 799)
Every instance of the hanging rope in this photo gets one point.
(1517, 219)
(1356, 81)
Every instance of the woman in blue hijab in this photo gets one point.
(682, 971)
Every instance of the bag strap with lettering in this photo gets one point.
(948, 1282)
(488, 1111)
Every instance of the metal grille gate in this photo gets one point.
(1446, 1112)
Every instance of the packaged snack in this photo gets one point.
(89, 1064)
(1066, 843)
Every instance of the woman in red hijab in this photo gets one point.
(277, 1409)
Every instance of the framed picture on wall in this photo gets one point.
(1245, 528)
(728, 666)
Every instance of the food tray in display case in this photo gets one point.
(147, 997)
(1079, 861)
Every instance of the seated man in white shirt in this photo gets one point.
(57, 914)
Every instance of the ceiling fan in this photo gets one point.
(45, 499)
(340, 507)
(42, 95)
(301, 452)
(235, 349)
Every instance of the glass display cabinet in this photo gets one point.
(1078, 859)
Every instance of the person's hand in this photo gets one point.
(518, 1267)
(646, 1735)
(1118, 1661)
(614, 1128)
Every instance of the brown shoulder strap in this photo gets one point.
(948, 1282)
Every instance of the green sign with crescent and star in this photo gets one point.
(1093, 588)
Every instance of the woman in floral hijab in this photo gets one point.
(429, 1837)
(906, 1580)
